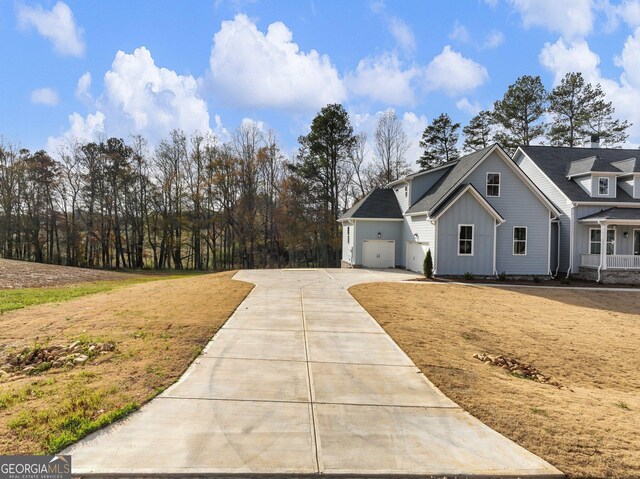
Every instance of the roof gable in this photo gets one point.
(590, 165)
(458, 193)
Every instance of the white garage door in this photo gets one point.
(415, 256)
(379, 254)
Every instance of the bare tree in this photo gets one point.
(391, 145)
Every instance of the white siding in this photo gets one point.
(421, 226)
(612, 186)
(347, 245)
(402, 196)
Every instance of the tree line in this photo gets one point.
(529, 114)
(192, 202)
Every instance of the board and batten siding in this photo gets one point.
(423, 183)
(368, 230)
(466, 211)
(519, 206)
(553, 193)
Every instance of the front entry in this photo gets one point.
(636, 242)
(379, 254)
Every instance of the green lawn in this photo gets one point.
(11, 299)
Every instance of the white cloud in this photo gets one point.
(402, 34)
(453, 73)
(472, 108)
(629, 61)
(377, 6)
(493, 40)
(459, 33)
(491, 3)
(383, 79)
(562, 58)
(624, 92)
(570, 18)
(255, 69)
(80, 129)
(57, 25)
(629, 10)
(83, 88)
(45, 96)
(141, 98)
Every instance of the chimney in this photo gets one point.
(593, 141)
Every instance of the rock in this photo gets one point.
(92, 348)
(108, 347)
(57, 364)
(3, 374)
(28, 369)
(73, 345)
(81, 359)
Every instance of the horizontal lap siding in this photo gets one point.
(466, 210)
(347, 246)
(558, 199)
(519, 206)
(368, 230)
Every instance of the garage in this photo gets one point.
(415, 256)
(379, 254)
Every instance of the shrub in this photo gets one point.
(469, 275)
(502, 276)
(428, 265)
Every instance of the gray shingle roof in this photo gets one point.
(553, 161)
(449, 181)
(379, 203)
(614, 214)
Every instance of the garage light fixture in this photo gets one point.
(379, 235)
(626, 235)
(416, 237)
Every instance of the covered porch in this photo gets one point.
(612, 245)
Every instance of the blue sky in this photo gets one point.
(79, 69)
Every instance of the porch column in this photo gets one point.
(603, 246)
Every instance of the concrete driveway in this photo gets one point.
(302, 380)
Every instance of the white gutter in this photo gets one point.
(558, 258)
(549, 248)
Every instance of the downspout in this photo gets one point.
(571, 239)
(549, 248)
(603, 247)
(558, 257)
(495, 235)
(435, 247)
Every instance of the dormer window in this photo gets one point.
(493, 184)
(603, 186)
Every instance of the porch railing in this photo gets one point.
(614, 261)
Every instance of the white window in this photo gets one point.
(594, 241)
(405, 191)
(493, 184)
(348, 234)
(603, 186)
(519, 240)
(465, 240)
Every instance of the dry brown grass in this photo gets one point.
(24, 274)
(587, 340)
(158, 329)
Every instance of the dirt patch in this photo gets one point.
(24, 274)
(588, 341)
(157, 330)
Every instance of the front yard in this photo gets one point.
(587, 341)
(113, 351)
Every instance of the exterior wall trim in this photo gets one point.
(484, 203)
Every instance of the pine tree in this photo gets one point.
(478, 133)
(519, 112)
(439, 141)
(612, 132)
(568, 107)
